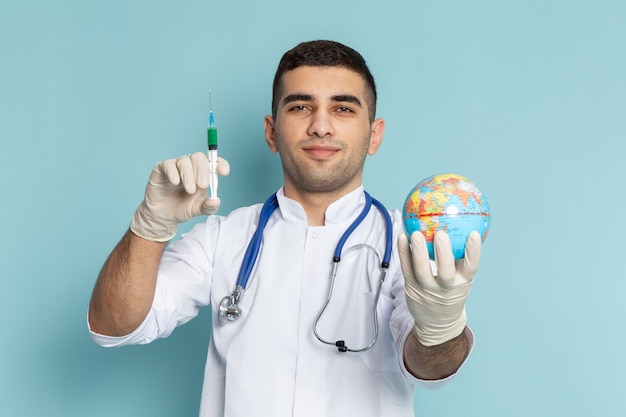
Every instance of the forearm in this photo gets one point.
(124, 290)
(435, 362)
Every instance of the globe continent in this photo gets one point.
(447, 202)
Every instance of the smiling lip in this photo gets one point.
(321, 151)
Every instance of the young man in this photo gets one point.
(275, 359)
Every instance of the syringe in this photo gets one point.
(212, 153)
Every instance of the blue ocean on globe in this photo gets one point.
(448, 202)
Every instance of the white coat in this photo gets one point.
(269, 362)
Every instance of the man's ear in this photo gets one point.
(376, 136)
(270, 131)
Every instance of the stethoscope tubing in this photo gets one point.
(252, 252)
(369, 201)
(229, 309)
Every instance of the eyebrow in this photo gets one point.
(297, 97)
(348, 98)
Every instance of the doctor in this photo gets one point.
(269, 361)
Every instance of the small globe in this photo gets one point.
(447, 202)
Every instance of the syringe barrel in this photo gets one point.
(212, 138)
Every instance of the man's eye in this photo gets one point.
(344, 109)
(300, 107)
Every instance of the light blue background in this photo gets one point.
(526, 98)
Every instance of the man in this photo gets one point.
(269, 362)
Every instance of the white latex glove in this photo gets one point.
(176, 192)
(437, 302)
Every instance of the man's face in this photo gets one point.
(322, 130)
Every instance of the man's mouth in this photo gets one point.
(320, 150)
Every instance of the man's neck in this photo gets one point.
(315, 204)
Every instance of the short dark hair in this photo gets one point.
(324, 53)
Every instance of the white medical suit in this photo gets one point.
(269, 362)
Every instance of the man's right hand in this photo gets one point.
(176, 192)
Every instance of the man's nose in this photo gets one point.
(321, 124)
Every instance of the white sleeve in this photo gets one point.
(138, 337)
(183, 286)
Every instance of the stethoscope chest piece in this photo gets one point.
(229, 309)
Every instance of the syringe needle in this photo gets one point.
(212, 153)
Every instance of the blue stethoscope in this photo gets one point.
(229, 309)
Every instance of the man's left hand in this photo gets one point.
(437, 300)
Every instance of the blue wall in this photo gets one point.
(526, 98)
